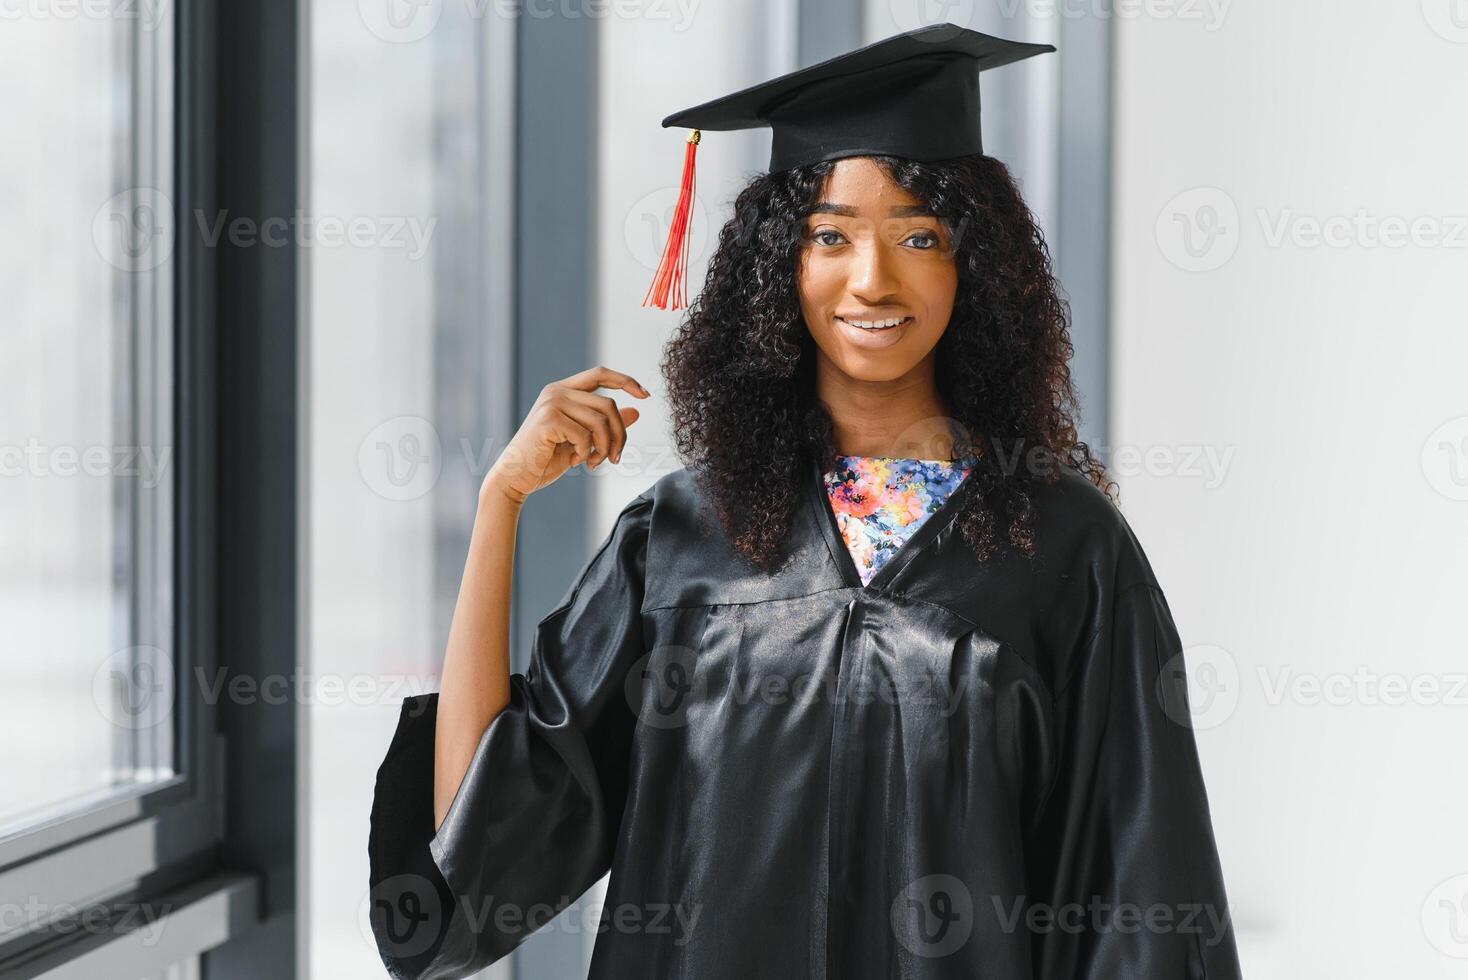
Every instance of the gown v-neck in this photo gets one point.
(881, 501)
(876, 511)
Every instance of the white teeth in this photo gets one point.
(874, 324)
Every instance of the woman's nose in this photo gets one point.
(873, 276)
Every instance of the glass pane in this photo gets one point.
(86, 236)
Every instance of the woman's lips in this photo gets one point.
(873, 338)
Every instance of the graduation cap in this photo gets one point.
(913, 95)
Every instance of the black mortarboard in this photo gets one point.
(913, 95)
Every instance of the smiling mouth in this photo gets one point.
(877, 326)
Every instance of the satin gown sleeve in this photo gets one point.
(533, 822)
(1125, 869)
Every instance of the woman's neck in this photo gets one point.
(901, 417)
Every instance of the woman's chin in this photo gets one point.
(872, 367)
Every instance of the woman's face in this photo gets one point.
(872, 255)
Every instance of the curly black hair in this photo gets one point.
(740, 367)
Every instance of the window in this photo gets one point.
(102, 787)
(85, 420)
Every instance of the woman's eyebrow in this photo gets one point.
(897, 211)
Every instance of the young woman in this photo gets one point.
(880, 684)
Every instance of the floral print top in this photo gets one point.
(880, 501)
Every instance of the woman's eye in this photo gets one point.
(923, 240)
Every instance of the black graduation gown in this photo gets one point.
(961, 769)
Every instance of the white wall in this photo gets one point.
(1327, 537)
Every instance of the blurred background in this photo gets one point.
(279, 280)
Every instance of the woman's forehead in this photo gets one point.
(859, 185)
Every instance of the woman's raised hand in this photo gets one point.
(568, 424)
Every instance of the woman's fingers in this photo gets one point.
(593, 424)
(604, 377)
(568, 424)
(565, 428)
(594, 420)
(608, 408)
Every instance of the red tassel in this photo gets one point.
(672, 274)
